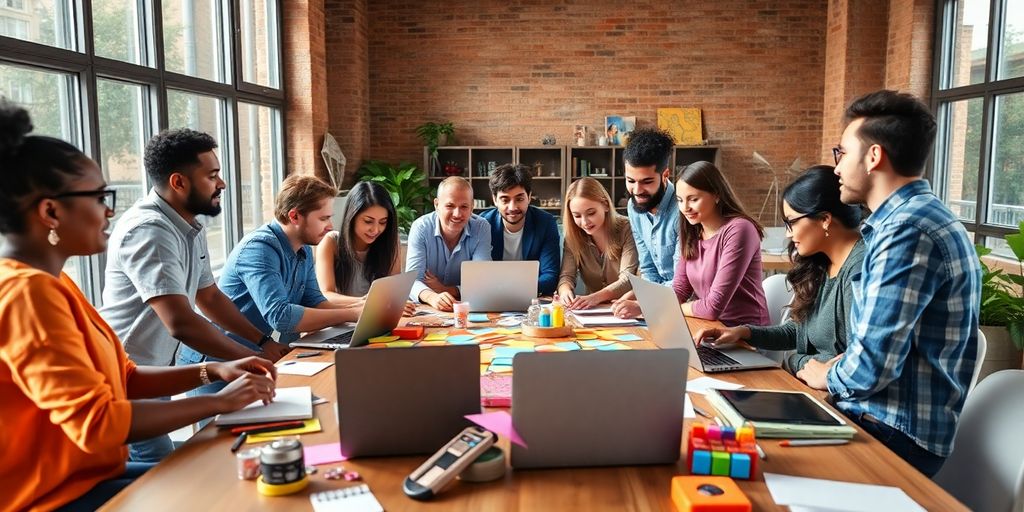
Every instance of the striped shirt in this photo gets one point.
(913, 327)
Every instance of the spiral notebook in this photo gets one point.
(349, 499)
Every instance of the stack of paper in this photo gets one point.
(289, 404)
(807, 494)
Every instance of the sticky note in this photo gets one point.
(499, 369)
(510, 351)
(500, 423)
(435, 336)
(586, 336)
(383, 339)
(595, 343)
(323, 454)
(308, 426)
(567, 345)
(465, 339)
(615, 346)
(481, 330)
(486, 355)
(629, 337)
(399, 344)
(501, 361)
(431, 344)
(478, 317)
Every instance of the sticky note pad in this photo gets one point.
(595, 343)
(615, 346)
(462, 339)
(552, 348)
(720, 463)
(436, 336)
(399, 344)
(478, 317)
(629, 337)
(567, 345)
(499, 369)
(383, 339)
(501, 361)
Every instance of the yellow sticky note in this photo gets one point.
(486, 356)
(436, 336)
(383, 339)
(583, 331)
(483, 369)
(399, 344)
(585, 336)
(431, 344)
(308, 426)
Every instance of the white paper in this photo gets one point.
(599, 320)
(593, 311)
(306, 368)
(688, 411)
(817, 494)
(701, 385)
(289, 404)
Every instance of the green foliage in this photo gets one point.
(1002, 293)
(405, 183)
(430, 133)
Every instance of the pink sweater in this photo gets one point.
(725, 277)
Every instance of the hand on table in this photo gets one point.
(625, 308)
(815, 373)
(410, 309)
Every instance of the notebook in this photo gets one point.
(785, 414)
(349, 499)
(289, 404)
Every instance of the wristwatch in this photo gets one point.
(264, 340)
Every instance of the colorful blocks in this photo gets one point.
(722, 451)
(714, 432)
(701, 462)
(739, 466)
(720, 463)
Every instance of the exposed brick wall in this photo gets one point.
(305, 81)
(348, 80)
(508, 72)
(908, 64)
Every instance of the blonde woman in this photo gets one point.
(598, 247)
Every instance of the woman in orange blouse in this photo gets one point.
(71, 398)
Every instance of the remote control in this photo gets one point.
(453, 458)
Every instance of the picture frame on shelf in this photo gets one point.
(579, 134)
(683, 124)
(618, 129)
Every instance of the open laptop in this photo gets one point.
(403, 401)
(384, 306)
(499, 285)
(595, 408)
(668, 329)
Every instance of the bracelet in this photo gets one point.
(204, 376)
(264, 340)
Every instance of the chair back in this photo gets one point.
(779, 295)
(982, 350)
(986, 469)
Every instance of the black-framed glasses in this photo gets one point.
(107, 196)
(837, 154)
(789, 222)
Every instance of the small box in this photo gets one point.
(740, 467)
(409, 332)
(708, 494)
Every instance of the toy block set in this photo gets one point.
(722, 451)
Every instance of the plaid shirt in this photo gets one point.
(914, 320)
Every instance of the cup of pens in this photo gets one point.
(461, 315)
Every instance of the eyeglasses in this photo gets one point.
(789, 222)
(107, 196)
(837, 153)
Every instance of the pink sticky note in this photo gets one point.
(499, 422)
(323, 454)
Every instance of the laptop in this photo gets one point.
(384, 306)
(595, 408)
(403, 401)
(499, 285)
(668, 329)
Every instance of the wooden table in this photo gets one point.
(201, 474)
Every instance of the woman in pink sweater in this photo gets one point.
(719, 273)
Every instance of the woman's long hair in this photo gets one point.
(705, 176)
(815, 192)
(576, 238)
(380, 258)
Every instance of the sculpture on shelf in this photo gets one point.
(451, 168)
(548, 140)
(334, 159)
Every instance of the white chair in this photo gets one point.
(986, 469)
(982, 350)
(779, 295)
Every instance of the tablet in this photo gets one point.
(777, 407)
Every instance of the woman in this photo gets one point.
(365, 247)
(72, 399)
(827, 253)
(598, 246)
(720, 261)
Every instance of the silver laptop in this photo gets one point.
(402, 401)
(384, 306)
(499, 285)
(668, 329)
(595, 408)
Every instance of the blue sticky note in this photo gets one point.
(701, 462)
(629, 337)
(501, 361)
(478, 317)
(613, 346)
(509, 352)
(567, 345)
(462, 339)
(594, 343)
(481, 330)
(740, 467)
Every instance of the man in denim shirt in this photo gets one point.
(653, 217)
(913, 328)
(270, 275)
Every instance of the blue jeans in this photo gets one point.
(106, 489)
(923, 460)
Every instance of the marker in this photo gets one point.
(306, 354)
(238, 442)
(814, 442)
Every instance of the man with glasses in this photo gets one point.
(914, 320)
(158, 269)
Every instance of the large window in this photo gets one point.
(978, 95)
(109, 78)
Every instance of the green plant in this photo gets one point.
(405, 183)
(1002, 293)
(430, 133)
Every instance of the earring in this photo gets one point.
(53, 238)
(826, 232)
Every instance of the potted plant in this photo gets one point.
(1002, 308)
(433, 135)
(405, 183)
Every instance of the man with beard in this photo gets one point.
(652, 216)
(158, 269)
(270, 275)
(520, 232)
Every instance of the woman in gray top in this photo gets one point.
(827, 253)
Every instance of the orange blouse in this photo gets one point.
(64, 411)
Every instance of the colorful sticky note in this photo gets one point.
(308, 426)
(383, 339)
(630, 337)
(553, 348)
(466, 339)
(586, 336)
(568, 345)
(499, 369)
(431, 344)
(484, 369)
(615, 346)
(399, 344)
(478, 317)
(435, 336)
(583, 330)
(481, 330)
(486, 355)
(595, 343)
(326, 453)
(499, 422)
(501, 361)
(510, 351)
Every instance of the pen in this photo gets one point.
(238, 442)
(702, 412)
(300, 355)
(760, 452)
(814, 442)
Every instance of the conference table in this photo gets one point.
(201, 474)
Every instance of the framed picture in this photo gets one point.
(683, 123)
(579, 134)
(618, 129)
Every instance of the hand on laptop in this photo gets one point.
(724, 336)
(815, 373)
(624, 308)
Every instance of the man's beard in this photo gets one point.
(652, 202)
(200, 205)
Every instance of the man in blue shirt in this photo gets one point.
(914, 319)
(441, 240)
(270, 275)
(520, 232)
(653, 217)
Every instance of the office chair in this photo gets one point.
(986, 469)
(778, 295)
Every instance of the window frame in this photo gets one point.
(82, 62)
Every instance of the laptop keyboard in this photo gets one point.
(342, 338)
(712, 357)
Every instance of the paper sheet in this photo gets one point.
(701, 385)
(323, 454)
(499, 422)
(688, 411)
(594, 320)
(816, 494)
(593, 311)
(305, 368)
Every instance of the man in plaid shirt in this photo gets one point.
(914, 319)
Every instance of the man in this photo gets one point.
(653, 216)
(270, 277)
(440, 241)
(158, 269)
(520, 232)
(914, 320)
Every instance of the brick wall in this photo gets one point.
(305, 81)
(908, 63)
(508, 72)
(348, 80)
